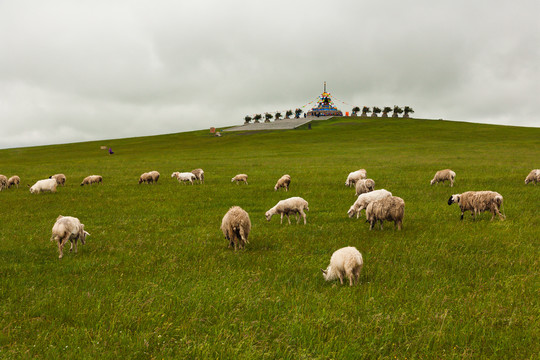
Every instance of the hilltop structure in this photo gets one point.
(325, 106)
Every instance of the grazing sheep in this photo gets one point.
(182, 177)
(60, 178)
(149, 177)
(3, 182)
(283, 182)
(345, 262)
(355, 176)
(364, 199)
(199, 174)
(389, 208)
(68, 228)
(364, 185)
(443, 175)
(477, 202)
(295, 205)
(534, 177)
(14, 180)
(89, 180)
(236, 227)
(44, 185)
(240, 177)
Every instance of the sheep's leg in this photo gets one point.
(381, 224)
(281, 222)
(340, 275)
(399, 224)
(61, 244)
(371, 223)
(246, 182)
(303, 215)
(72, 243)
(297, 217)
(288, 218)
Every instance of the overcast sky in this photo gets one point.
(82, 70)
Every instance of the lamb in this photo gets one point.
(389, 208)
(3, 182)
(355, 176)
(477, 202)
(240, 177)
(89, 180)
(199, 174)
(345, 262)
(283, 182)
(443, 175)
(60, 178)
(13, 181)
(149, 177)
(236, 227)
(184, 176)
(534, 177)
(364, 199)
(294, 205)
(44, 185)
(364, 185)
(68, 228)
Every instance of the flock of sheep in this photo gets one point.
(380, 205)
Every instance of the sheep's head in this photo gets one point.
(232, 180)
(83, 237)
(351, 211)
(325, 273)
(454, 199)
(174, 174)
(432, 182)
(268, 215)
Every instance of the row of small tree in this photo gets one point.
(268, 116)
(375, 111)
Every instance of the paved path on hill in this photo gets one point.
(284, 124)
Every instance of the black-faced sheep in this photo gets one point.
(283, 182)
(534, 177)
(199, 174)
(89, 180)
(390, 208)
(240, 177)
(13, 181)
(364, 186)
(364, 199)
(44, 185)
(236, 227)
(60, 178)
(68, 228)
(353, 177)
(443, 175)
(294, 205)
(345, 262)
(477, 202)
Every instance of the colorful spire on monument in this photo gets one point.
(325, 106)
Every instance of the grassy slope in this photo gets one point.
(156, 277)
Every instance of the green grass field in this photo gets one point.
(156, 279)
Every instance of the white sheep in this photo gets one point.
(240, 177)
(236, 227)
(44, 185)
(68, 228)
(283, 182)
(353, 177)
(477, 202)
(182, 177)
(13, 181)
(294, 205)
(364, 199)
(345, 262)
(364, 185)
(199, 174)
(89, 180)
(149, 177)
(60, 178)
(534, 177)
(3, 182)
(390, 208)
(443, 175)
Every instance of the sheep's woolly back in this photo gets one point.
(236, 227)
(534, 176)
(364, 186)
(345, 262)
(390, 208)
